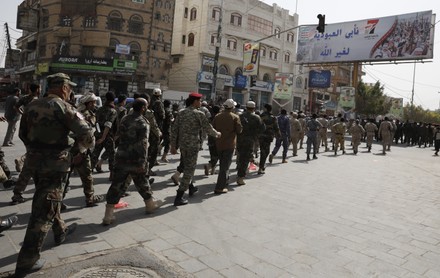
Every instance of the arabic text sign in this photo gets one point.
(283, 85)
(251, 58)
(319, 78)
(400, 37)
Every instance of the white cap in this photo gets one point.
(88, 97)
(250, 104)
(229, 103)
(157, 92)
(204, 103)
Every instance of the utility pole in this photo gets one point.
(9, 50)
(412, 93)
(217, 55)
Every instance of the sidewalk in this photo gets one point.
(368, 215)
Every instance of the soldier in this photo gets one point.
(385, 129)
(154, 137)
(81, 160)
(265, 138)
(131, 160)
(322, 134)
(284, 125)
(12, 116)
(356, 131)
(185, 133)
(295, 132)
(8, 181)
(302, 121)
(370, 129)
(45, 129)
(312, 128)
(437, 139)
(253, 126)
(157, 107)
(106, 126)
(339, 131)
(229, 125)
(213, 154)
(20, 163)
(166, 129)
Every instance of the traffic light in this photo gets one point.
(321, 23)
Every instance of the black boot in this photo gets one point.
(179, 200)
(315, 157)
(192, 189)
(308, 157)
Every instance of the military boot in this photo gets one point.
(151, 205)
(192, 189)
(175, 178)
(179, 200)
(108, 217)
(240, 181)
(207, 169)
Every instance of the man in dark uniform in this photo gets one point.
(45, 129)
(312, 129)
(265, 138)
(253, 126)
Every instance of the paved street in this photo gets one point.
(368, 215)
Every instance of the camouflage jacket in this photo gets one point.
(154, 128)
(271, 126)
(46, 128)
(106, 116)
(133, 146)
(185, 131)
(253, 126)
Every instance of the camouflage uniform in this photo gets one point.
(44, 129)
(185, 133)
(253, 126)
(322, 134)
(131, 158)
(84, 166)
(302, 121)
(166, 129)
(159, 111)
(312, 128)
(356, 132)
(154, 138)
(25, 175)
(3, 164)
(295, 133)
(385, 129)
(265, 139)
(339, 131)
(371, 129)
(106, 116)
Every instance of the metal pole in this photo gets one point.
(217, 55)
(412, 93)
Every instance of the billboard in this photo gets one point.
(399, 37)
(396, 109)
(346, 100)
(319, 78)
(251, 58)
(283, 85)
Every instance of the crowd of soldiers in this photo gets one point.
(61, 138)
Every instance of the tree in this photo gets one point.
(418, 114)
(371, 101)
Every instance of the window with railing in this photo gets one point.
(232, 44)
(87, 51)
(89, 22)
(114, 21)
(135, 25)
(66, 21)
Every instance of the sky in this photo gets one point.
(397, 79)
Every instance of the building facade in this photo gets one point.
(112, 45)
(196, 36)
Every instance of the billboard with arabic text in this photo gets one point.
(399, 37)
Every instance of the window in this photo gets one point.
(183, 39)
(135, 51)
(213, 39)
(216, 14)
(232, 44)
(273, 54)
(42, 47)
(159, 3)
(277, 32)
(266, 77)
(193, 15)
(238, 71)
(223, 69)
(89, 22)
(110, 52)
(135, 25)
(259, 25)
(263, 51)
(176, 60)
(114, 21)
(157, 16)
(191, 39)
(290, 37)
(138, 1)
(166, 18)
(160, 36)
(168, 5)
(167, 47)
(185, 13)
(45, 19)
(236, 19)
(66, 21)
(287, 57)
(87, 51)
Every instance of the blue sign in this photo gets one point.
(319, 78)
(240, 81)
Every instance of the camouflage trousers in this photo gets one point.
(188, 157)
(370, 138)
(294, 139)
(3, 164)
(323, 138)
(23, 180)
(153, 150)
(84, 170)
(386, 142)
(120, 185)
(339, 140)
(45, 215)
(109, 145)
(355, 141)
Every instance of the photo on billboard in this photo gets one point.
(283, 87)
(400, 37)
(251, 58)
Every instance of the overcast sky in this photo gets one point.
(397, 79)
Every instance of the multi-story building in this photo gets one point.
(121, 46)
(195, 38)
